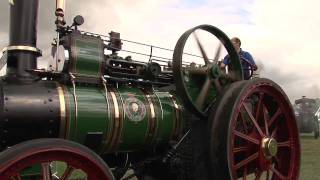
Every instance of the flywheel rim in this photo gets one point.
(178, 70)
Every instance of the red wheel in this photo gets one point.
(254, 133)
(42, 152)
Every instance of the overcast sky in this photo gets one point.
(282, 35)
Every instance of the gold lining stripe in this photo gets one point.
(160, 104)
(121, 121)
(62, 129)
(111, 129)
(116, 105)
(153, 114)
(116, 123)
(67, 100)
(177, 112)
(23, 48)
(104, 82)
(151, 132)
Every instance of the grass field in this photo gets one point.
(310, 159)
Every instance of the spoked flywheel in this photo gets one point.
(254, 134)
(199, 83)
(52, 159)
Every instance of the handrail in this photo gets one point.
(152, 47)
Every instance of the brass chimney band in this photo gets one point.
(23, 48)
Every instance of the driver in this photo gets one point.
(247, 62)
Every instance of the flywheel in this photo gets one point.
(199, 79)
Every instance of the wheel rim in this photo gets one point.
(198, 87)
(75, 159)
(257, 146)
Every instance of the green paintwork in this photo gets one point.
(89, 57)
(93, 117)
(92, 113)
(194, 83)
(166, 123)
(134, 132)
(30, 172)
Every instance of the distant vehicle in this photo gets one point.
(305, 112)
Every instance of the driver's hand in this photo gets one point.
(255, 67)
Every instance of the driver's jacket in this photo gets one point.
(244, 56)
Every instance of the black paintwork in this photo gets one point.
(28, 111)
(23, 31)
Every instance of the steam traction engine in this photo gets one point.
(305, 112)
(96, 115)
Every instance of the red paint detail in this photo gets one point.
(246, 154)
(73, 157)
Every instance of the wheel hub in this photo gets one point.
(215, 71)
(269, 147)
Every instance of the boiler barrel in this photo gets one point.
(28, 111)
(129, 119)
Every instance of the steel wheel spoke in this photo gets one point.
(274, 117)
(231, 76)
(17, 177)
(245, 127)
(277, 160)
(253, 120)
(217, 85)
(203, 93)
(247, 161)
(217, 54)
(46, 171)
(246, 137)
(274, 132)
(277, 173)
(203, 52)
(266, 119)
(260, 139)
(240, 149)
(259, 105)
(258, 175)
(284, 144)
(67, 173)
(245, 173)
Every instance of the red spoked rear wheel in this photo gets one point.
(43, 152)
(255, 134)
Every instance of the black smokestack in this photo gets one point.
(22, 50)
